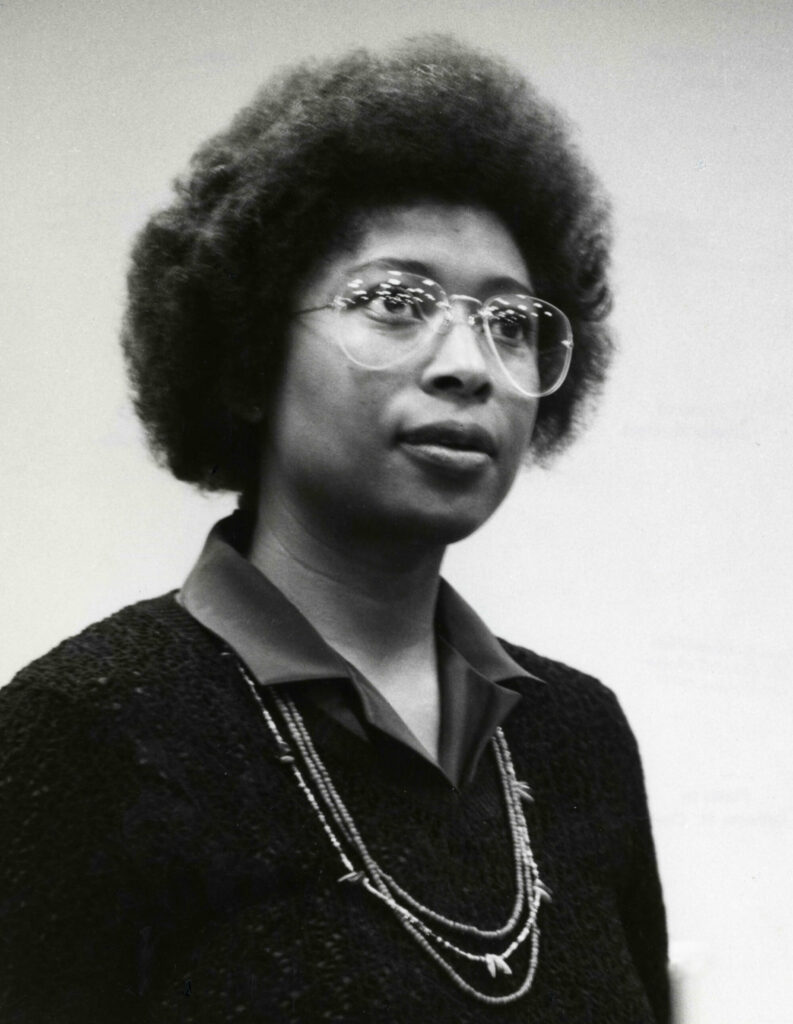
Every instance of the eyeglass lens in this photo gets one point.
(390, 314)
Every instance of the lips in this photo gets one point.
(454, 449)
(452, 434)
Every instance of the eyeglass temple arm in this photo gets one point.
(314, 309)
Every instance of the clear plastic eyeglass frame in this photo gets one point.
(428, 306)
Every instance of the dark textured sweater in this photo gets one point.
(158, 862)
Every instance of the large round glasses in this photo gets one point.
(389, 315)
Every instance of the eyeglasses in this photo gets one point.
(390, 315)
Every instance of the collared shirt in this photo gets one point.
(233, 599)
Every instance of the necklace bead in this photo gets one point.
(419, 920)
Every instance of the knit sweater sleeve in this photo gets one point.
(639, 888)
(72, 937)
(583, 718)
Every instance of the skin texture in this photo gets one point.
(335, 453)
(353, 519)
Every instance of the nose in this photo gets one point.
(458, 365)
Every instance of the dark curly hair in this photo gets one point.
(212, 274)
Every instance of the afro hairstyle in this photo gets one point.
(212, 274)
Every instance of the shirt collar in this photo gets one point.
(234, 600)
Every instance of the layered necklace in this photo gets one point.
(441, 937)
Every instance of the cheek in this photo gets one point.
(329, 412)
(521, 419)
(520, 427)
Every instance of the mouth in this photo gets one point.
(451, 445)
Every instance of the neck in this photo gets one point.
(370, 599)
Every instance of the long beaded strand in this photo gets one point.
(530, 890)
(307, 749)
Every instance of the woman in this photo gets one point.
(312, 785)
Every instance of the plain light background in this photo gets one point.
(657, 554)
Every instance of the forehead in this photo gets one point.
(462, 247)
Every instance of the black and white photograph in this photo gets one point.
(397, 415)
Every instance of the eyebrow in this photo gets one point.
(489, 286)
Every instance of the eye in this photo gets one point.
(395, 303)
(390, 302)
(512, 323)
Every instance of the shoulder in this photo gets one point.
(567, 688)
(118, 640)
(91, 744)
(116, 649)
(108, 720)
(108, 678)
(564, 708)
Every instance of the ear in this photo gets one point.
(245, 408)
(250, 414)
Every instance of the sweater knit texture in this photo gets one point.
(160, 864)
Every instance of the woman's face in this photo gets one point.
(423, 451)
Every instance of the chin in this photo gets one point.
(437, 527)
(418, 520)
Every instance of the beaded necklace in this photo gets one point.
(420, 921)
